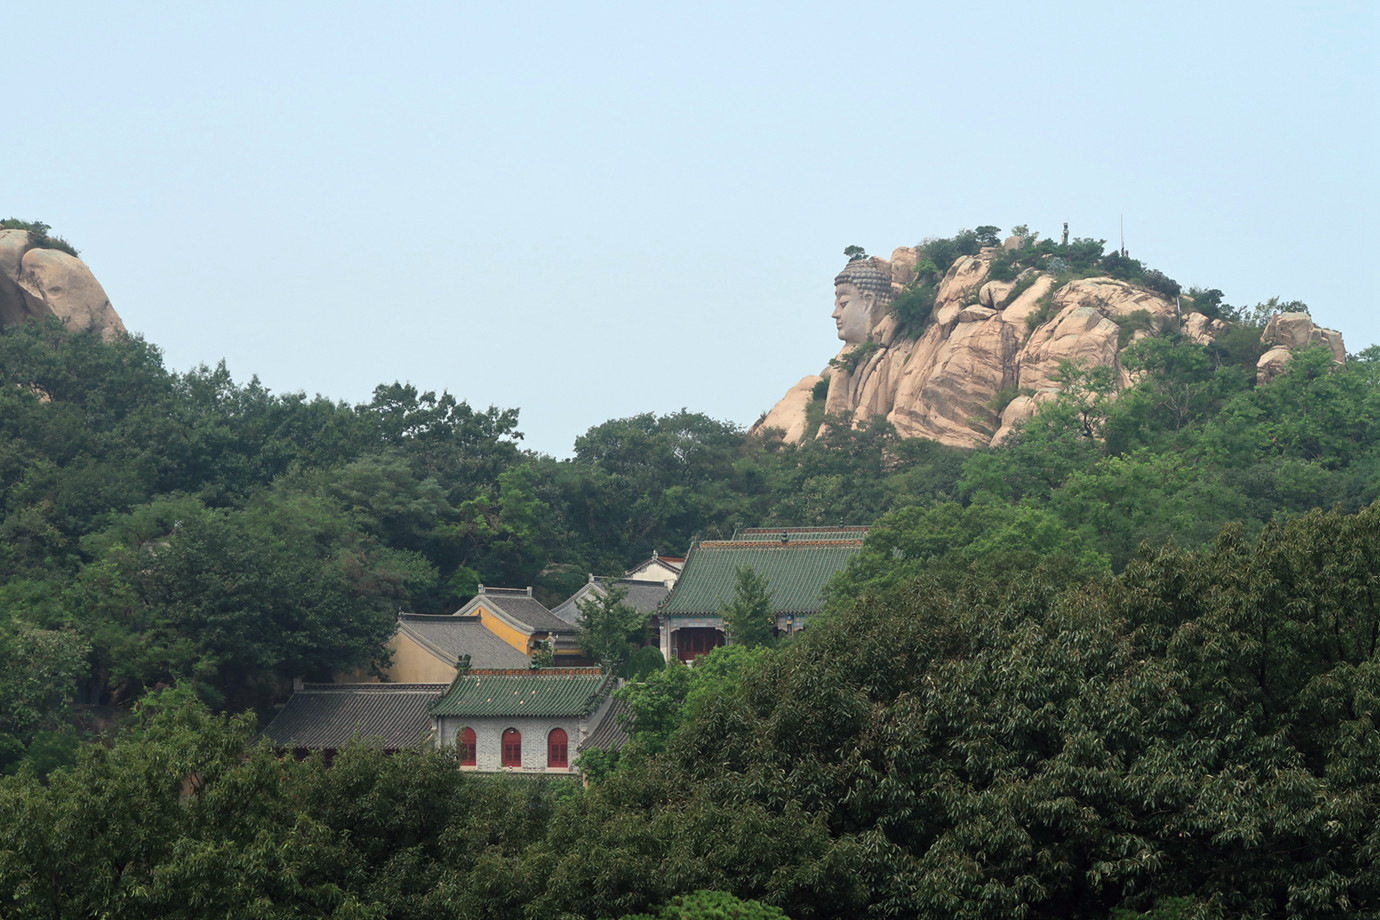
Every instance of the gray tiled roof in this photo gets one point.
(643, 596)
(328, 715)
(547, 693)
(449, 637)
(518, 605)
(532, 613)
(609, 734)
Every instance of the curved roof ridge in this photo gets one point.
(370, 687)
(767, 544)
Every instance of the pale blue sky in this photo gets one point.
(589, 211)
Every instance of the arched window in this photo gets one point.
(466, 747)
(512, 747)
(556, 748)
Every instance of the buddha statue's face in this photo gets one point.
(852, 312)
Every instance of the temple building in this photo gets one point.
(523, 622)
(530, 721)
(468, 680)
(796, 562)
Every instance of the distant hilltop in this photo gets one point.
(959, 348)
(42, 276)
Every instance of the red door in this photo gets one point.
(512, 747)
(467, 747)
(556, 743)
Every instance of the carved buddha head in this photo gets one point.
(862, 292)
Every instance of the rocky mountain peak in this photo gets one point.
(989, 350)
(36, 281)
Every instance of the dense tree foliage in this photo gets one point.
(1195, 736)
(748, 619)
(184, 817)
(175, 527)
(610, 628)
(1200, 729)
(712, 905)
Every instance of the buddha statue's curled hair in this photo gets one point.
(869, 276)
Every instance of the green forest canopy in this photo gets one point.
(1194, 737)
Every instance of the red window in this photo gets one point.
(556, 748)
(467, 748)
(512, 747)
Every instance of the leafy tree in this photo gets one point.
(499, 531)
(1015, 747)
(664, 700)
(183, 815)
(839, 477)
(854, 253)
(382, 492)
(543, 655)
(942, 252)
(748, 614)
(646, 482)
(913, 307)
(656, 705)
(643, 662)
(232, 439)
(1261, 313)
(948, 543)
(39, 671)
(1024, 234)
(443, 437)
(1088, 390)
(712, 905)
(987, 235)
(1178, 390)
(922, 471)
(1034, 460)
(80, 423)
(235, 600)
(610, 628)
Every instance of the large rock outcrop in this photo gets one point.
(37, 282)
(989, 351)
(1284, 334)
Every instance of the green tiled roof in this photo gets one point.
(795, 571)
(798, 534)
(540, 694)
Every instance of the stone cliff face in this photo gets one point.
(986, 359)
(1287, 332)
(37, 282)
